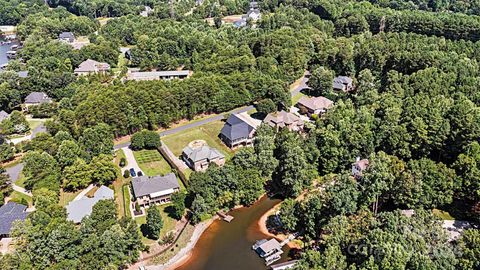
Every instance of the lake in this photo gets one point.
(228, 245)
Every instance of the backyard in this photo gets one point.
(151, 162)
(208, 132)
(168, 223)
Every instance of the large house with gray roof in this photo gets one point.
(90, 66)
(68, 37)
(239, 130)
(199, 158)
(343, 83)
(151, 190)
(9, 213)
(36, 98)
(78, 209)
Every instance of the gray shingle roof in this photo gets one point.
(3, 115)
(37, 98)
(235, 128)
(145, 185)
(66, 35)
(79, 209)
(90, 65)
(202, 153)
(9, 213)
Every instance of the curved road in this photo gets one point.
(293, 92)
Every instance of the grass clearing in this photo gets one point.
(18, 197)
(66, 197)
(126, 201)
(21, 180)
(168, 223)
(33, 123)
(297, 97)
(118, 188)
(151, 162)
(443, 215)
(208, 132)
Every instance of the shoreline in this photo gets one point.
(262, 225)
(185, 253)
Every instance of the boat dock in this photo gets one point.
(225, 217)
(271, 250)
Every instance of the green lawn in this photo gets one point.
(34, 123)
(443, 215)
(18, 197)
(168, 223)
(126, 201)
(21, 180)
(296, 98)
(208, 132)
(151, 162)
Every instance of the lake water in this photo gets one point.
(228, 245)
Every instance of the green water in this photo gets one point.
(228, 245)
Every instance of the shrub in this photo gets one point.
(122, 163)
(126, 174)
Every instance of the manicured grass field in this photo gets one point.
(151, 162)
(168, 223)
(33, 123)
(208, 132)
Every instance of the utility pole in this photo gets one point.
(381, 28)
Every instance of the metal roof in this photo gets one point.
(37, 97)
(201, 153)
(79, 209)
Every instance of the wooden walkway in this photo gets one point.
(225, 217)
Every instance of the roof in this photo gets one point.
(23, 74)
(270, 245)
(3, 115)
(66, 35)
(201, 153)
(153, 75)
(282, 119)
(238, 126)
(146, 185)
(362, 164)
(9, 213)
(79, 209)
(284, 265)
(341, 81)
(316, 103)
(37, 98)
(90, 65)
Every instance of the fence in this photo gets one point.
(174, 162)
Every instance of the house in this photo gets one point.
(254, 14)
(239, 130)
(78, 209)
(149, 190)
(314, 105)
(199, 157)
(282, 119)
(68, 37)
(343, 83)
(9, 213)
(3, 115)
(157, 75)
(359, 166)
(90, 66)
(266, 248)
(284, 265)
(23, 74)
(36, 98)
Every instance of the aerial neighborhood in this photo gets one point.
(198, 135)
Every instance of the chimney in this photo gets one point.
(358, 159)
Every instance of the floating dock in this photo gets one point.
(225, 217)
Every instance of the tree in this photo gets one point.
(470, 249)
(145, 139)
(266, 106)
(154, 223)
(288, 214)
(103, 170)
(41, 170)
(321, 82)
(97, 140)
(67, 153)
(77, 176)
(264, 145)
(6, 152)
(178, 200)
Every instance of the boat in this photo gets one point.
(14, 47)
(273, 258)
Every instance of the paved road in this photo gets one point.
(41, 128)
(21, 190)
(14, 171)
(294, 92)
(83, 193)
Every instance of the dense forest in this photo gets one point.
(414, 114)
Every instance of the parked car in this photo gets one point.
(140, 173)
(132, 172)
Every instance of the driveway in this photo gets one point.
(41, 128)
(132, 162)
(14, 171)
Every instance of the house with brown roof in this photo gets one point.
(314, 105)
(90, 66)
(359, 166)
(283, 119)
(198, 157)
